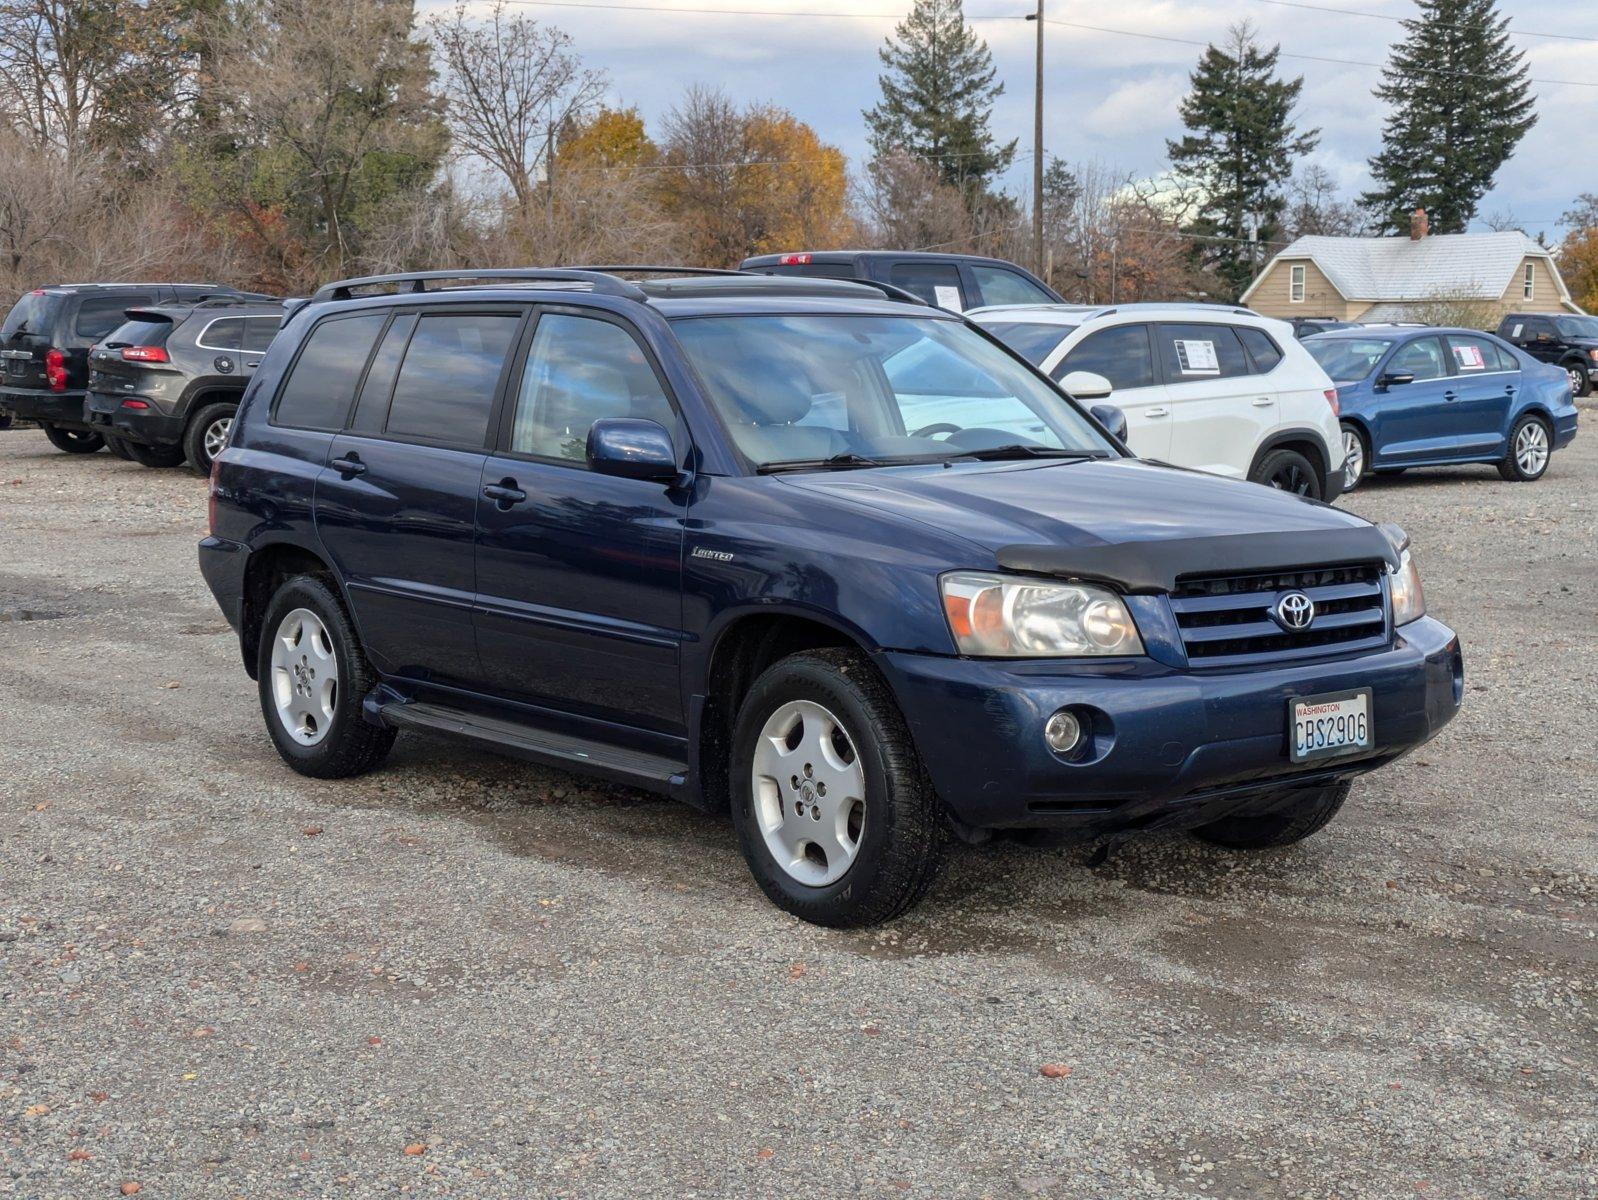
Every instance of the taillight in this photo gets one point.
(1331, 398)
(795, 260)
(55, 370)
(145, 354)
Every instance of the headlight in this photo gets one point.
(1408, 602)
(996, 616)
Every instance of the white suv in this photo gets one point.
(1212, 387)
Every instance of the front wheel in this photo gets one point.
(74, 441)
(312, 677)
(1276, 822)
(1288, 471)
(1355, 456)
(835, 814)
(1580, 382)
(1530, 448)
(207, 435)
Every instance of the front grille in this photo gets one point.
(1226, 620)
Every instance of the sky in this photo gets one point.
(1108, 97)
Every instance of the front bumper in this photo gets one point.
(1167, 746)
(103, 412)
(48, 408)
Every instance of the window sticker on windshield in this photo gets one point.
(948, 297)
(1515, 332)
(1197, 357)
(1469, 357)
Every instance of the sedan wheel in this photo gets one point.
(1531, 448)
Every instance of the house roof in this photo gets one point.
(1455, 265)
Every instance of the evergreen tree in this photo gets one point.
(1461, 103)
(937, 95)
(1238, 153)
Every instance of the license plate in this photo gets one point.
(1328, 725)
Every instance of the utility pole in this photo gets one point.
(1038, 264)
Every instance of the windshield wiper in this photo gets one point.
(1024, 450)
(838, 462)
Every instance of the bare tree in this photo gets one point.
(511, 85)
(904, 205)
(1316, 208)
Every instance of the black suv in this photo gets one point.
(163, 387)
(1564, 339)
(957, 282)
(44, 349)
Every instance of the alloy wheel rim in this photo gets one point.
(304, 676)
(1576, 378)
(809, 793)
(1353, 457)
(215, 440)
(1531, 448)
(1291, 478)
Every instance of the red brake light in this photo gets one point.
(144, 354)
(1331, 398)
(137, 404)
(794, 260)
(55, 370)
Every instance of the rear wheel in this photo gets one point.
(837, 819)
(119, 447)
(312, 677)
(1288, 471)
(1530, 448)
(74, 441)
(1356, 455)
(207, 435)
(6, 419)
(1277, 821)
(155, 456)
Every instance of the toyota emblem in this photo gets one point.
(1294, 611)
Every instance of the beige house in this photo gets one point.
(1468, 278)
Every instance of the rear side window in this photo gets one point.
(1265, 353)
(371, 409)
(999, 286)
(225, 333)
(936, 283)
(321, 384)
(99, 315)
(1474, 355)
(1121, 355)
(449, 376)
(259, 332)
(1197, 352)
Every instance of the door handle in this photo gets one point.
(504, 493)
(1156, 412)
(1262, 401)
(1450, 396)
(349, 466)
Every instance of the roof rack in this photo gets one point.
(417, 281)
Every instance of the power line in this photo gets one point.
(1345, 62)
(1353, 12)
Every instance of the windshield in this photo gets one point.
(1347, 360)
(868, 390)
(1030, 340)
(149, 332)
(1577, 327)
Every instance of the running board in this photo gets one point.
(655, 772)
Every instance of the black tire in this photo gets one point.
(159, 457)
(1289, 471)
(6, 419)
(350, 745)
(1510, 467)
(119, 447)
(1580, 382)
(1286, 822)
(198, 431)
(1351, 481)
(74, 441)
(903, 834)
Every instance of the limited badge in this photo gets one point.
(223, 365)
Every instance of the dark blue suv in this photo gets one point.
(838, 564)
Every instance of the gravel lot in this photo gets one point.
(464, 975)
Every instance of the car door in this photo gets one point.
(1220, 411)
(1124, 354)
(579, 574)
(1485, 382)
(396, 504)
(1412, 418)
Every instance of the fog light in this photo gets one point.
(1063, 732)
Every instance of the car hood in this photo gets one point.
(1134, 523)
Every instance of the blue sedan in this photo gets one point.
(1424, 397)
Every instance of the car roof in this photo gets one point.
(833, 256)
(1395, 331)
(1079, 314)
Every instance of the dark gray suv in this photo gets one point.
(163, 386)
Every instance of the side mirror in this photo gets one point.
(1085, 386)
(1112, 419)
(632, 449)
(1396, 378)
